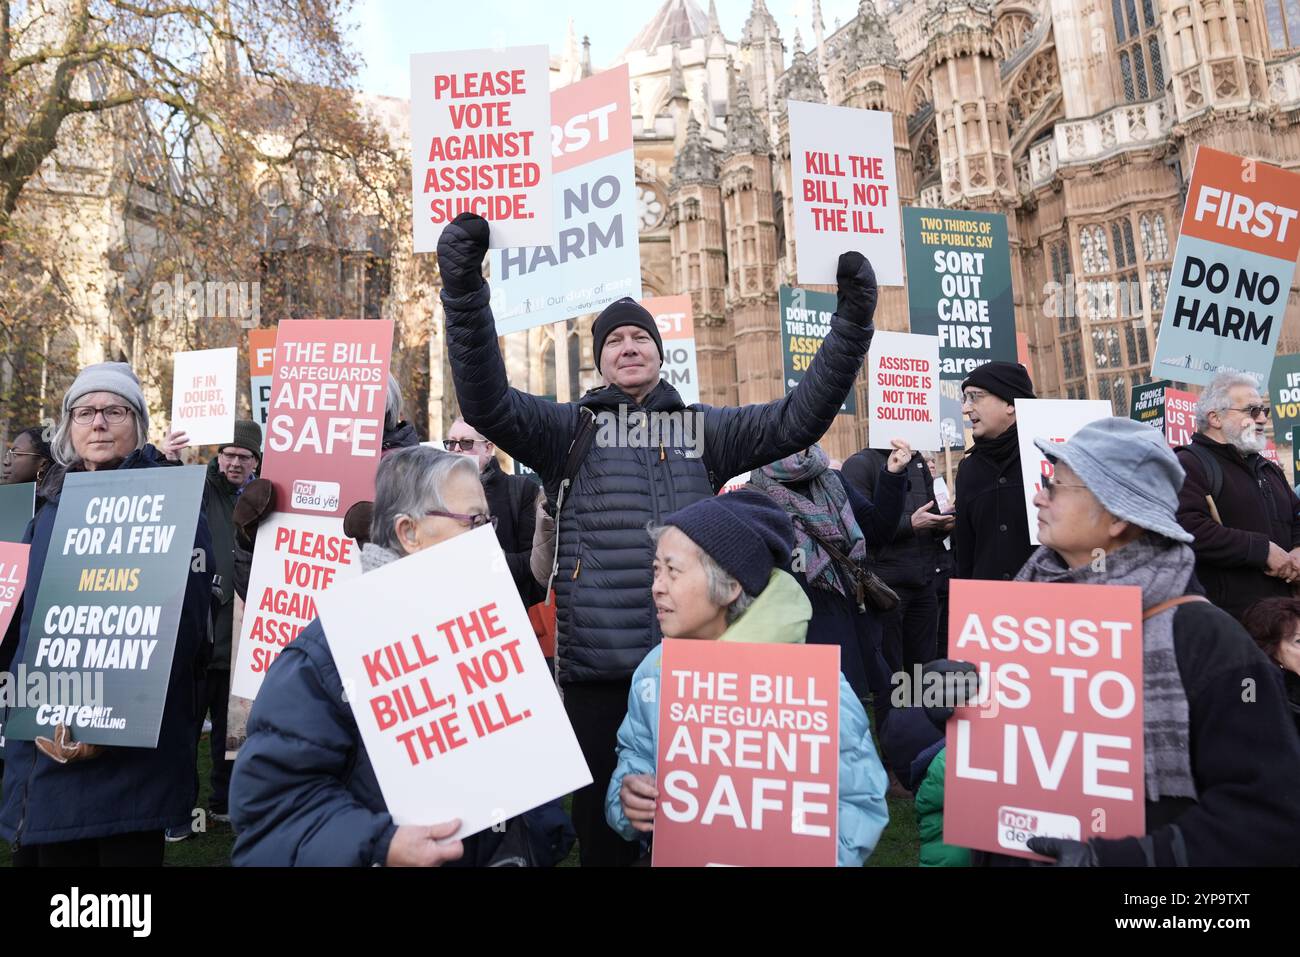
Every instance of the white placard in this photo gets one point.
(903, 389)
(845, 190)
(456, 706)
(481, 143)
(296, 559)
(941, 496)
(203, 395)
(1056, 420)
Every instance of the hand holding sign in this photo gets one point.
(417, 846)
(900, 457)
(173, 444)
(857, 290)
(461, 248)
(639, 798)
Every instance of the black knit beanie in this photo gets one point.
(745, 532)
(623, 312)
(1007, 380)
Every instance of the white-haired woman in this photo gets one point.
(71, 804)
(303, 790)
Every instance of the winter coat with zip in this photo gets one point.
(604, 614)
(779, 615)
(219, 498)
(123, 790)
(512, 501)
(1257, 507)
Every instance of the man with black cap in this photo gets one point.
(991, 537)
(611, 481)
(234, 466)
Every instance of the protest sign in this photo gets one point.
(748, 755)
(952, 424)
(261, 363)
(1180, 417)
(1053, 744)
(941, 496)
(959, 286)
(17, 504)
(672, 315)
(735, 484)
(1148, 404)
(297, 558)
(326, 423)
(109, 602)
(845, 190)
(481, 143)
(1055, 420)
(1232, 270)
(903, 390)
(1270, 452)
(1295, 457)
(595, 256)
(805, 323)
(13, 576)
(203, 395)
(456, 706)
(1284, 394)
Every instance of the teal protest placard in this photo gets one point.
(17, 503)
(1148, 404)
(1284, 394)
(109, 603)
(959, 286)
(805, 324)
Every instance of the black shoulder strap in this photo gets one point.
(578, 449)
(1213, 469)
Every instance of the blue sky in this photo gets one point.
(387, 32)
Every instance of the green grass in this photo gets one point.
(210, 847)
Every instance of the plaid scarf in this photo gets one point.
(825, 509)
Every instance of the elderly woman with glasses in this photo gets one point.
(303, 790)
(71, 804)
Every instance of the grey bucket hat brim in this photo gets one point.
(1117, 491)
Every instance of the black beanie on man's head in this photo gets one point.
(1007, 380)
(623, 312)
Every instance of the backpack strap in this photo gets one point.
(1172, 602)
(1213, 471)
(578, 449)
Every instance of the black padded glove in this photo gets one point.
(1068, 853)
(461, 248)
(939, 714)
(856, 299)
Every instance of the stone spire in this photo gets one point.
(676, 79)
(586, 56)
(695, 162)
(801, 81)
(746, 131)
(819, 36)
(868, 39)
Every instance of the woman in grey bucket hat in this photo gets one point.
(1222, 769)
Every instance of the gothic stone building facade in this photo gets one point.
(1077, 119)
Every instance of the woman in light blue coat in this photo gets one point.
(717, 578)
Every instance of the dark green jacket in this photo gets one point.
(929, 820)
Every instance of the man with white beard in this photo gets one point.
(1237, 504)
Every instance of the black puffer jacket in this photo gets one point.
(604, 614)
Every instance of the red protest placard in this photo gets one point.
(1053, 745)
(748, 755)
(261, 355)
(325, 427)
(13, 576)
(1180, 417)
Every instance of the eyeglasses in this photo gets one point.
(1254, 411)
(10, 452)
(243, 458)
(466, 445)
(473, 521)
(1050, 485)
(113, 414)
(971, 396)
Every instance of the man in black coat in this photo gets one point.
(991, 536)
(512, 501)
(907, 564)
(648, 455)
(1246, 533)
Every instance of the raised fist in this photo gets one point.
(857, 289)
(461, 248)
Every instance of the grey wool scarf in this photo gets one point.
(1161, 568)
